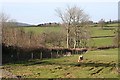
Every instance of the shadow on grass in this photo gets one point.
(85, 64)
(92, 64)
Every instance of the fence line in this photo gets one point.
(10, 53)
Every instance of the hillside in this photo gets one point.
(100, 37)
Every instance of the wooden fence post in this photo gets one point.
(31, 55)
(57, 54)
(51, 54)
(18, 55)
(61, 53)
(71, 52)
(41, 55)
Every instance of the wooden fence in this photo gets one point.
(12, 54)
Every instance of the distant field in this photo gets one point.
(107, 25)
(112, 25)
(102, 42)
(42, 29)
(95, 32)
(97, 64)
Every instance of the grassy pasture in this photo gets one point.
(38, 30)
(112, 25)
(102, 41)
(97, 64)
(106, 25)
(95, 31)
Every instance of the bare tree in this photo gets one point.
(3, 19)
(30, 36)
(7, 27)
(73, 19)
(101, 23)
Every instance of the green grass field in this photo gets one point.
(107, 25)
(95, 32)
(38, 30)
(96, 64)
(98, 42)
(112, 25)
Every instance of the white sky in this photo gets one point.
(41, 11)
(27, 1)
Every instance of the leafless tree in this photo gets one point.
(74, 19)
(3, 19)
(101, 23)
(7, 27)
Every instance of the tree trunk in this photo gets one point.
(41, 55)
(18, 55)
(74, 43)
(67, 37)
(51, 54)
(57, 54)
(31, 55)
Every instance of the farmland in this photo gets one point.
(51, 42)
(102, 41)
(97, 64)
(112, 25)
(102, 35)
(38, 30)
(95, 31)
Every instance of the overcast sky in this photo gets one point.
(43, 11)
